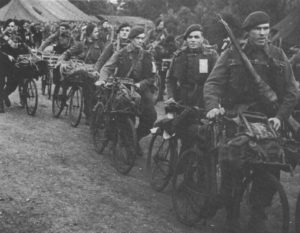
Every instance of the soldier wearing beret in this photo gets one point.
(121, 41)
(188, 72)
(134, 62)
(231, 82)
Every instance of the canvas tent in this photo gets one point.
(117, 20)
(43, 10)
(288, 29)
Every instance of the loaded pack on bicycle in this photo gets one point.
(256, 75)
(78, 74)
(165, 150)
(135, 63)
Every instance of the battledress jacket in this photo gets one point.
(189, 70)
(132, 62)
(230, 84)
(87, 51)
(108, 51)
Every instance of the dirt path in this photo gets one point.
(52, 181)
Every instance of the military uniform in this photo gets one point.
(136, 64)
(109, 51)
(231, 81)
(62, 41)
(188, 73)
(231, 85)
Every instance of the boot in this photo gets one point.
(257, 221)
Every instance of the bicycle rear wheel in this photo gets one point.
(30, 96)
(58, 100)
(158, 89)
(124, 145)
(276, 215)
(76, 105)
(191, 186)
(49, 83)
(100, 128)
(162, 153)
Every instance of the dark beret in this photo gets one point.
(66, 25)
(192, 28)
(254, 19)
(135, 31)
(123, 25)
(89, 29)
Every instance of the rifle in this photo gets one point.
(264, 90)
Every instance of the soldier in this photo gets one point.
(158, 34)
(134, 62)
(63, 39)
(121, 41)
(231, 81)
(88, 51)
(188, 72)
(12, 46)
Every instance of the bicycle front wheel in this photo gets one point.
(162, 152)
(100, 128)
(275, 215)
(76, 105)
(191, 186)
(124, 145)
(58, 100)
(31, 96)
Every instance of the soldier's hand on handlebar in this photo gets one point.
(11, 58)
(99, 83)
(170, 101)
(213, 113)
(276, 123)
(138, 85)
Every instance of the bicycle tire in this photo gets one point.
(191, 186)
(100, 128)
(76, 105)
(31, 96)
(297, 215)
(43, 84)
(124, 144)
(162, 155)
(58, 102)
(273, 212)
(158, 90)
(49, 84)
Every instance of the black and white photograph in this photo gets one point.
(149, 116)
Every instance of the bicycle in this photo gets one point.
(27, 87)
(163, 148)
(112, 122)
(196, 184)
(47, 79)
(69, 92)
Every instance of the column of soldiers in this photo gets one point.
(197, 77)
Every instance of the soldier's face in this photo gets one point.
(259, 35)
(195, 39)
(138, 41)
(95, 34)
(62, 29)
(11, 27)
(124, 32)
